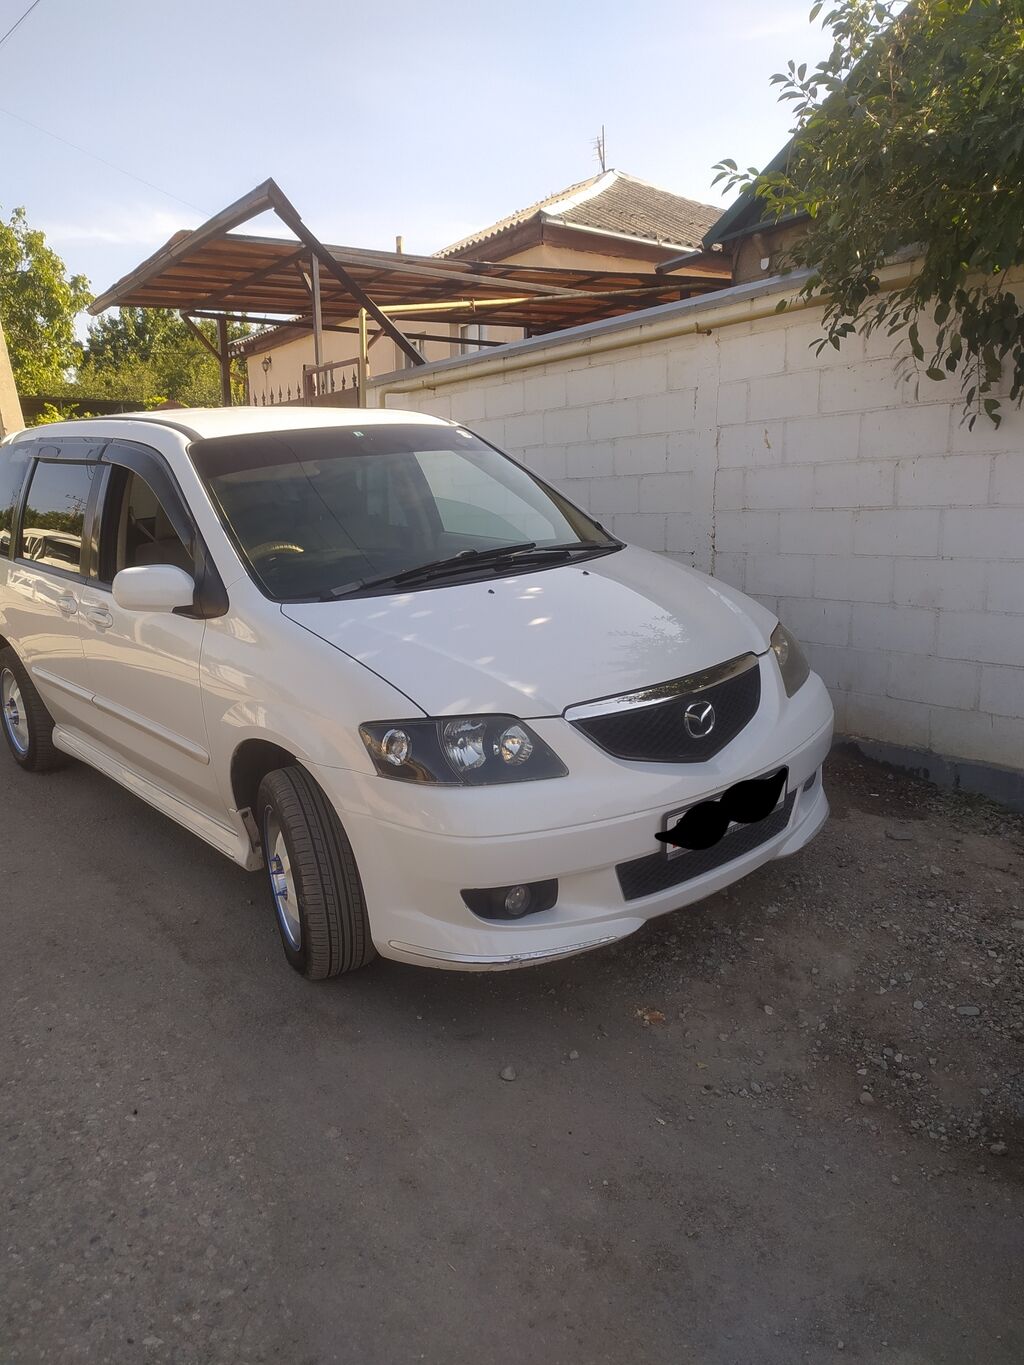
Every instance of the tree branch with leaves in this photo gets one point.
(39, 301)
(911, 134)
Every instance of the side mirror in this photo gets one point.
(153, 587)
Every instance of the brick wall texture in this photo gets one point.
(852, 502)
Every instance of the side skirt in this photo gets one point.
(234, 844)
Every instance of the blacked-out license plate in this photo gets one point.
(743, 795)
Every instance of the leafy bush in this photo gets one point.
(912, 132)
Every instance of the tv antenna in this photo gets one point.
(599, 149)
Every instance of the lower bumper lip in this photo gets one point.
(500, 959)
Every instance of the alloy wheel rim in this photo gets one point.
(13, 706)
(282, 882)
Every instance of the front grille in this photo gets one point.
(655, 872)
(651, 725)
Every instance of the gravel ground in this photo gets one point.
(786, 1125)
(897, 946)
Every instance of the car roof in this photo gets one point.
(239, 421)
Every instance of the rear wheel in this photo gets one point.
(24, 719)
(313, 879)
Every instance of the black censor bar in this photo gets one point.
(702, 826)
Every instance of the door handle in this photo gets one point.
(66, 605)
(99, 616)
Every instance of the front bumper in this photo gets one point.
(418, 847)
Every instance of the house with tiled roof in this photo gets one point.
(610, 222)
(610, 215)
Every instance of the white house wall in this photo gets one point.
(888, 536)
(284, 373)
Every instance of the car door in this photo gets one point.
(50, 560)
(144, 666)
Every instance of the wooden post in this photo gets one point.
(318, 321)
(225, 362)
(11, 418)
(364, 368)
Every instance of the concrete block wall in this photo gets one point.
(888, 536)
(885, 533)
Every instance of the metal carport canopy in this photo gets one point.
(215, 272)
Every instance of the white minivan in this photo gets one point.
(456, 721)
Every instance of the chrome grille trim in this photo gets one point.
(662, 692)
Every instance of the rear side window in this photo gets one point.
(54, 517)
(137, 530)
(13, 467)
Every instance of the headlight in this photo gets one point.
(792, 665)
(460, 750)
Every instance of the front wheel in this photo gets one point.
(313, 879)
(24, 719)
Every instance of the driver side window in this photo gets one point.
(137, 529)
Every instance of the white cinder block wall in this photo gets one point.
(883, 532)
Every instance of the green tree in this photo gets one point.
(149, 354)
(911, 132)
(38, 305)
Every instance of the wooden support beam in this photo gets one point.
(289, 215)
(225, 362)
(307, 323)
(219, 352)
(250, 205)
(280, 264)
(318, 316)
(200, 335)
(364, 368)
(447, 271)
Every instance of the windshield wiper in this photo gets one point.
(575, 547)
(528, 552)
(451, 563)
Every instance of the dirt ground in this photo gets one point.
(786, 1125)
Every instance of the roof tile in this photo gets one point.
(612, 202)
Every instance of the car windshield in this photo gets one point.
(314, 512)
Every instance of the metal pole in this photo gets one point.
(318, 329)
(363, 370)
(225, 362)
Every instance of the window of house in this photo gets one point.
(470, 336)
(51, 528)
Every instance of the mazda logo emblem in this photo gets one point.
(699, 719)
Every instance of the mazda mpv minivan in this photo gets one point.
(455, 720)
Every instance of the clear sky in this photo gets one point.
(428, 120)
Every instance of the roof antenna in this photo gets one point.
(599, 148)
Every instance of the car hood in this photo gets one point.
(531, 644)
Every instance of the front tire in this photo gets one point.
(313, 879)
(26, 724)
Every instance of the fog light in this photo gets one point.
(517, 901)
(512, 902)
(395, 747)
